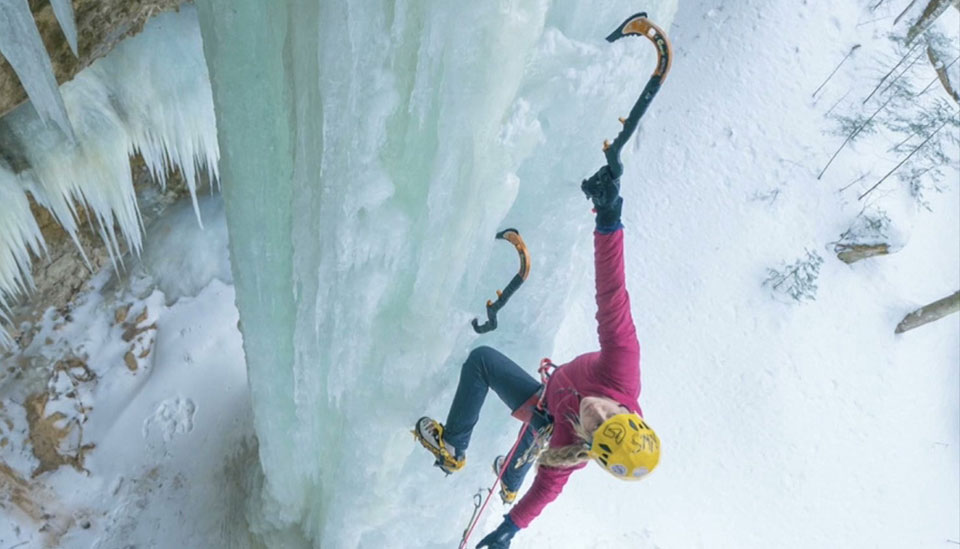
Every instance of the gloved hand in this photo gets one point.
(604, 190)
(500, 538)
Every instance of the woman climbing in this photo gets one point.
(589, 404)
(587, 409)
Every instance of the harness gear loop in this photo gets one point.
(546, 369)
(512, 236)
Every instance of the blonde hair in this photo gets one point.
(571, 454)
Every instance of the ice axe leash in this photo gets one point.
(638, 25)
(493, 307)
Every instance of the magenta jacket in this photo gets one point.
(612, 372)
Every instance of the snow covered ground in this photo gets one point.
(783, 424)
(160, 390)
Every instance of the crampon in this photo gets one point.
(430, 434)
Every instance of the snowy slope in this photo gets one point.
(782, 425)
(161, 391)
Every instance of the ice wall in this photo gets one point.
(150, 95)
(372, 150)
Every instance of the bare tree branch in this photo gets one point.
(851, 253)
(830, 110)
(854, 182)
(928, 313)
(942, 74)
(882, 80)
(899, 76)
(902, 162)
(904, 12)
(842, 61)
(933, 10)
(934, 81)
(853, 134)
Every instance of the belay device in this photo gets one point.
(513, 237)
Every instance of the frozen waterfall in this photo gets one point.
(370, 153)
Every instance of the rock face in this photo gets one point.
(101, 24)
(62, 273)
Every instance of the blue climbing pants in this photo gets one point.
(486, 368)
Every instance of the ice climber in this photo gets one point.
(587, 409)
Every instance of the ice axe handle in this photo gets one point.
(638, 25)
(493, 307)
(513, 237)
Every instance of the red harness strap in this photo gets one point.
(525, 412)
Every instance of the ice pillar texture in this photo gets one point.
(370, 151)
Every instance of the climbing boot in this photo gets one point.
(430, 434)
(507, 496)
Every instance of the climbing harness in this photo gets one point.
(545, 370)
(513, 237)
(638, 25)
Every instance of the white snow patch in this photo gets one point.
(174, 415)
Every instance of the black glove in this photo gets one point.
(500, 538)
(604, 190)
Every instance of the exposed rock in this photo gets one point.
(101, 25)
(46, 436)
(851, 253)
(61, 274)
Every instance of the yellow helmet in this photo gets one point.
(626, 446)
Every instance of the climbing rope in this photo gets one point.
(545, 370)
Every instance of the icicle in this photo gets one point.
(21, 45)
(63, 9)
(151, 95)
(19, 236)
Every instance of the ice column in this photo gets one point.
(372, 150)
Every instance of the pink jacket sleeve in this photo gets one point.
(619, 348)
(546, 487)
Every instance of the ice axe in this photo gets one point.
(638, 25)
(493, 307)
